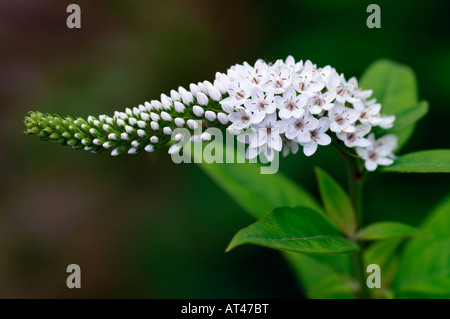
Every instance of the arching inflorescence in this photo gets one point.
(277, 107)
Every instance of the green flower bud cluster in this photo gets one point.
(143, 128)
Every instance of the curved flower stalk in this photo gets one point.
(272, 107)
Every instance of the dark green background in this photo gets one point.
(141, 226)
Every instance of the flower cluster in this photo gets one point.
(272, 107)
(286, 105)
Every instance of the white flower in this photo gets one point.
(291, 104)
(268, 132)
(379, 152)
(260, 104)
(357, 92)
(389, 141)
(258, 74)
(241, 119)
(289, 146)
(342, 118)
(238, 94)
(387, 121)
(342, 89)
(320, 102)
(356, 138)
(308, 80)
(279, 78)
(368, 114)
(265, 137)
(318, 137)
(299, 129)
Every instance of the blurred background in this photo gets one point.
(141, 226)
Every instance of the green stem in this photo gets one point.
(355, 185)
(358, 262)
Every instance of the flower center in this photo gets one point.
(291, 106)
(351, 137)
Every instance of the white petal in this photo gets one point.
(276, 142)
(323, 139)
(258, 117)
(370, 165)
(384, 161)
(310, 148)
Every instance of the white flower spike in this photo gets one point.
(272, 107)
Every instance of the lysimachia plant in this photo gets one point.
(282, 107)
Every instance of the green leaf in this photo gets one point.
(405, 123)
(408, 117)
(386, 230)
(298, 229)
(425, 263)
(381, 252)
(311, 273)
(335, 286)
(251, 190)
(393, 84)
(337, 203)
(258, 193)
(404, 135)
(432, 161)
